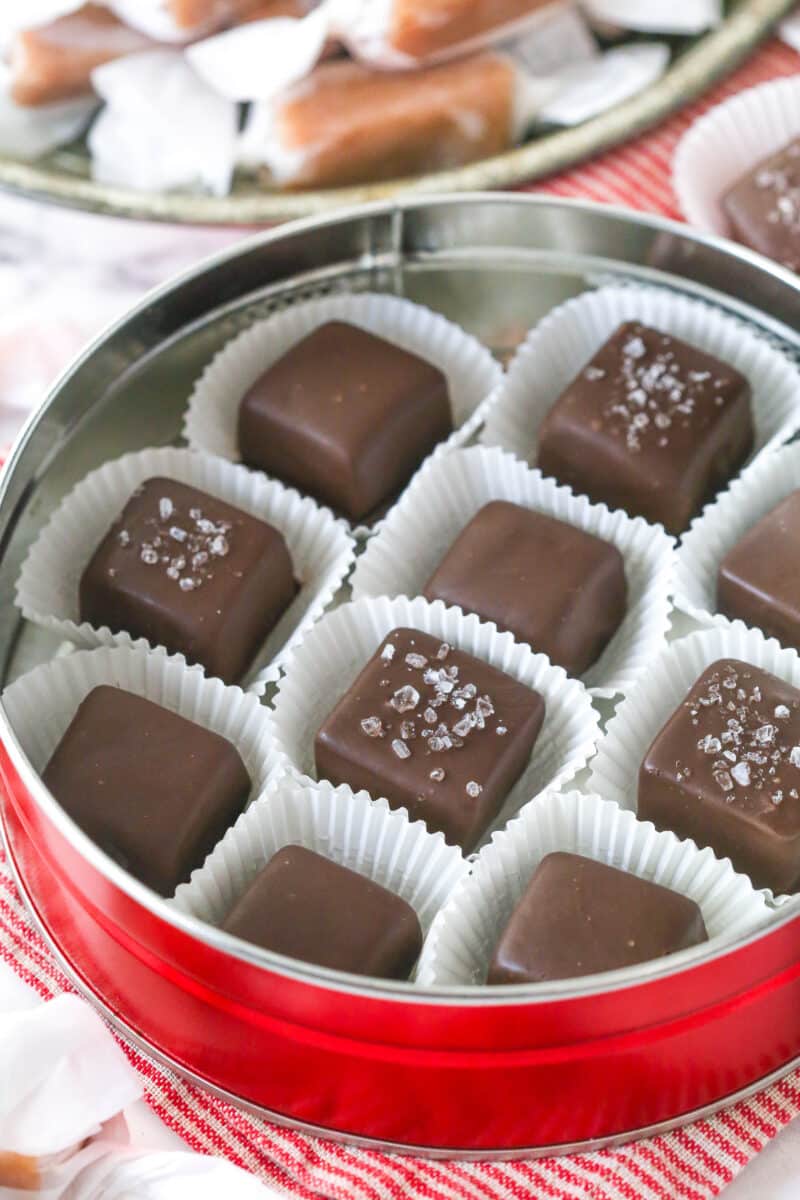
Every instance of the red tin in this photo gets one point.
(474, 1071)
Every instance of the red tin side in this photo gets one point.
(494, 1076)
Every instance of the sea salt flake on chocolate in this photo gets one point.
(473, 789)
(405, 699)
(501, 730)
(794, 756)
(741, 774)
(443, 651)
(417, 661)
(149, 556)
(724, 780)
(765, 734)
(782, 712)
(372, 727)
(165, 508)
(387, 653)
(219, 546)
(438, 774)
(430, 715)
(709, 745)
(124, 538)
(463, 727)
(188, 584)
(408, 730)
(401, 749)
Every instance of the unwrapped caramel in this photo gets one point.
(346, 124)
(422, 30)
(54, 62)
(182, 20)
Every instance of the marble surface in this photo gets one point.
(63, 277)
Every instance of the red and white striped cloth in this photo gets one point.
(694, 1163)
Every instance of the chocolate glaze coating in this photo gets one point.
(763, 207)
(192, 573)
(153, 790)
(759, 578)
(303, 905)
(651, 425)
(561, 590)
(433, 730)
(725, 771)
(345, 416)
(578, 916)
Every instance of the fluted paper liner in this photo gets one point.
(750, 497)
(559, 347)
(323, 668)
(351, 829)
(645, 711)
(727, 143)
(448, 493)
(320, 547)
(472, 374)
(466, 931)
(41, 704)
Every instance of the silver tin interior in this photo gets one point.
(496, 264)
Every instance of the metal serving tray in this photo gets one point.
(504, 1070)
(64, 177)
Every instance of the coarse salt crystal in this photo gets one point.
(473, 789)
(418, 661)
(741, 773)
(401, 749)
(372, 727)
(405, 699)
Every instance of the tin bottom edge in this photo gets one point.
(84, 988)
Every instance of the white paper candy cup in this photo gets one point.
(320, 547)
(41, 704)
(750, 497)
(351, 829)
(323, 668)
(448, 493)
(472, 374)
(466, 931)
(645, 711)
(557, 349)
(727, 143)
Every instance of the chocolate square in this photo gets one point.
(763, 207)
(305, 906)
(651, 425)
(191, 573)
(433, 730)
(345, 416)
(561, 590)
(578, 916)
(725, 771)
(759, 578)
(153, 790)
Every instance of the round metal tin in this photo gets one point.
(506, 1070)
(64, 176)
